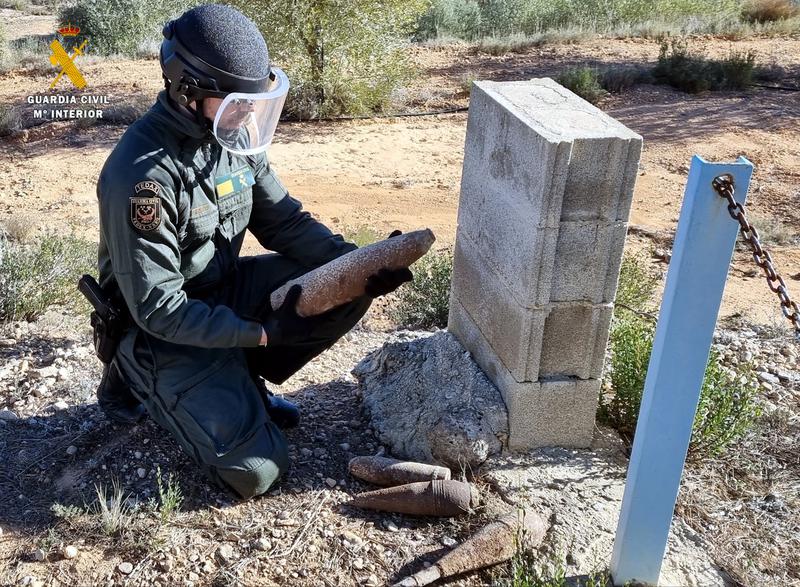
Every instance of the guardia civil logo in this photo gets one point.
(67, 98)
(66, 62)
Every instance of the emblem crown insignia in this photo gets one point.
(69, 31)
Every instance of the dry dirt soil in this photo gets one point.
(385, 173)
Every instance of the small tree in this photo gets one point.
(341, 56)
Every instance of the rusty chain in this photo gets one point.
(723, 185)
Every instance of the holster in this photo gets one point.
(106, 337)
(109, 319)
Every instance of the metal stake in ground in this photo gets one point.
(697, 272)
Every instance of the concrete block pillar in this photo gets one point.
(546, 192)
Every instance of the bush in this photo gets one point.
(473, 19)
(693, 73)
(425, 302)
(38, 275)
(618, 79)
(120, 26)
(727, 405)
(456, 18)
(341, 57)
(760, 11)
(584, 81)
(10, 119)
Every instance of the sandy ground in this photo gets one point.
(405, 172)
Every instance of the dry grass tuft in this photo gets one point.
(760, 11)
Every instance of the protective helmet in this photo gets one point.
(214, 51)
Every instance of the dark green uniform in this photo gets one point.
(174, 208)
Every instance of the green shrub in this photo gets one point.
(170, 496)
(515, 43)
(120, 26)
(527, 569)
(584, 81)
(727, 406)
(10, 119)
(425, 302)
(457, 18)
(760, 11)
(618, 79)
(45, 272)
(473, 19)
(637, 284)
(693, 73)
(341, 57)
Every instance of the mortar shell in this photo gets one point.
(425, 498)
(495, 543)
(389, 472)
(343, 279)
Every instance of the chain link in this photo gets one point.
(723, 185)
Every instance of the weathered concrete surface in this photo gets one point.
(429, 402)
(546, 191)
(581, 492)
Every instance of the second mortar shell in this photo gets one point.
(343, 279)
(425, 498)
(385, 471)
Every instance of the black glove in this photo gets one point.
(387, 280)
(284, 325)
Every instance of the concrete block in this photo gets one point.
(550, 413)
(506, 155)
(510, 332)
(519, 252)
(587, 261)
(599, 186)
(463, 327)
(554, 112)
(574, 343)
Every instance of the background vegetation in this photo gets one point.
(475, 19)
(121, 26)
(36, 273)
(727, 406)
(341, 57)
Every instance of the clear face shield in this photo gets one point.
(245, 123)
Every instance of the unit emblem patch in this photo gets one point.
(146, 206)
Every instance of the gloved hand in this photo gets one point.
(387, 280)
(284, 325)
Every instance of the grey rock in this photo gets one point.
(8, 415)
(225, 554)
(125, 568)
(768, 378)
(72, 450)
(429, 401)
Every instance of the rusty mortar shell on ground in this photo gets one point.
(389, 472)
(343, 279)
(495, 543)
(424, 498)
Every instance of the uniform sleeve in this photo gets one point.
(280, 224)
(138, 219)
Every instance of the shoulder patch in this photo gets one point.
(146, 206)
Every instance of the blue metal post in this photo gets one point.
(696, 279)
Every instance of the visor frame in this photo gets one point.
(278, 93)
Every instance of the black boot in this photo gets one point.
(284, 413)
(115, 398)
